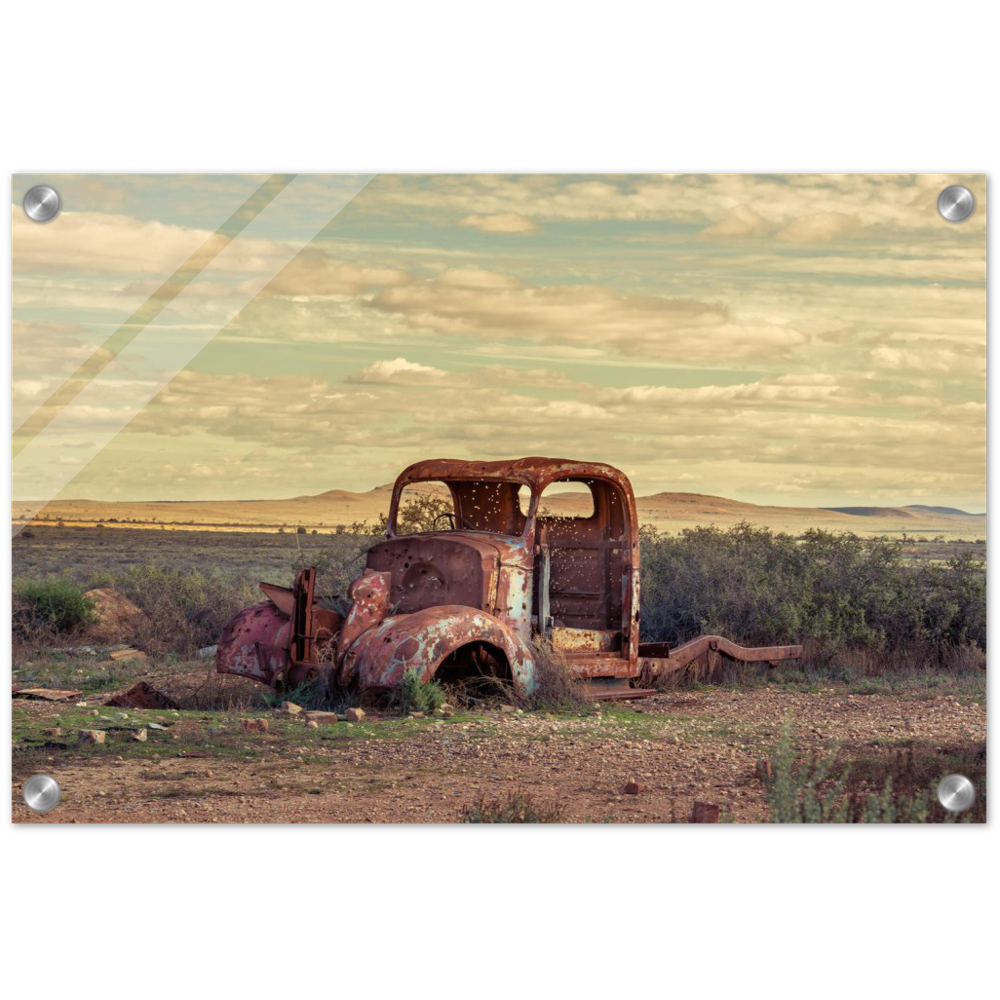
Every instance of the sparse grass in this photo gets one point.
(516, 807)
(900, 788)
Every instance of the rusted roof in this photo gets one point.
(535, 471)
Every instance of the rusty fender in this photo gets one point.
(255, 644)
(422, 640)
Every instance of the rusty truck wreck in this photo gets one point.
(473, 597)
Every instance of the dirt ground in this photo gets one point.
(684, 746)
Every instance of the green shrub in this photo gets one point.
(55, 603)
(837, 592)
(416, 695)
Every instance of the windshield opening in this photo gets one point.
(460, 505)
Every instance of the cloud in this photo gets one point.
(502, 222)
(399, 370)
(98, 242)
(741, 222)
(886, 202)
(823, 227)
(464, 302)
(313, 273)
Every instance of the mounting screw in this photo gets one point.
(956, 793)
(42, 203)
(956, 203)
(41, 793)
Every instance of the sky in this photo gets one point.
(803, 340)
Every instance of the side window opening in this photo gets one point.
(563, 500)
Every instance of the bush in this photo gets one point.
(185, 609)
(836, 592)
(57, 604)
(416, 695)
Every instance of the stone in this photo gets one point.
(354, 715)
(89, 737)
(127, 655)
(290, 708)
(207, 652)
(255, 725)
(312, 724)
(155, 725)
(705, 812)
(138, 735)
(323, 718)
(415, 715)
(633, 787)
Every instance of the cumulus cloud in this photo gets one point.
(495, 305)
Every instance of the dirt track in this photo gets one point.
(684, 746)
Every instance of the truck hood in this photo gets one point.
(446, 567)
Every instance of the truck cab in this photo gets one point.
(491, 585)
(565, 572)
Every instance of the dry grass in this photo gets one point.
(555, 687)
(516, 807)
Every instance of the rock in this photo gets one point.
(138, 735)
(142, 695)
(255, 725)
(448, 714)
(415, 715)
(447, 708)
(55, 731)
(127, 654)
(290, 708)
(312, 724)
(354, 715)
(155, 725)
(207, 652)
(90, 736)
(705, 812)
(323, 718)
(116, 616)
(633, 787)
(46, 694)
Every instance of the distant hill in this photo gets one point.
(910, 510)
(667, 511)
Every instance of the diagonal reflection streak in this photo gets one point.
(161, 338)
